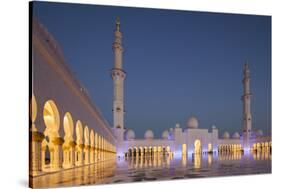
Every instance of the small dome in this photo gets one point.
(171, 129)
(225, 135)
(259, 132)
(213, 127)
(236, 135)
(148, 134)
(130, 134)
(177, 125)
(165, 134)
(192, 123)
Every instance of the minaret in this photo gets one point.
(246, 98)
(118, 75)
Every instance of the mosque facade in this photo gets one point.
(176, 140)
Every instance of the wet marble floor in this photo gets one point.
(159, 168)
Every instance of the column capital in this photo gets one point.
(86, 147)
(72, 143)
(37, 136)
(58, 140)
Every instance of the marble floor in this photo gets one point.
(159, 167)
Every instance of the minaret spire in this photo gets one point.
(118, 76)
(246, 98)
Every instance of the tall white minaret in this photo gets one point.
(118, 75)
(247, 116)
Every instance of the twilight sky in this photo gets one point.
(178, 63)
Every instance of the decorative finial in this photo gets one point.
(118, 24)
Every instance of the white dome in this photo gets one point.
(148, 134)
(177, 125)
(259, 132)
(165, 134)
(225, 135)
(236, 135)
(192, 123)
(130, 134)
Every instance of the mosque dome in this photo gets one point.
(225, 135)
(236, 135)
(165, 134)
(259, 132)
(148, 134)
(130, 134)
(192, 123)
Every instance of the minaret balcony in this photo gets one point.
(117, 45)
(118, 72)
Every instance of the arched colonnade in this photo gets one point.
(79, 146)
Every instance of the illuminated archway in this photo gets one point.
(46, 155)
(130, 152)
(135, 151)
(210, 147)
(266, 146)
(92, 138)
(51, 119)
(150, 150)
(68, 146)
(96, 140)
(197, 160)
(183, 149)
(86, 136)
(254, 147)
(168, 149)
(92, 145)
(79, 132)
(197, 146)
(145, 151)
(140, 151)
(258, 146)
(36, 139)
(154, 150)
(262, 145)
(86, 145)
(80, 145)
(68, 126)
(159, 149)
(96, 147)
(53, 142)
(33, 112)
(102, 148)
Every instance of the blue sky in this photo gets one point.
(178, 63)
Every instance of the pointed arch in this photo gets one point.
(51, 119)
(33, 108)
(86, 136)
(92, 138)
(68, 126)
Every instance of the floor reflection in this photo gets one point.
(159, 167)
(92, 174)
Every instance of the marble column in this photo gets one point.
(86, 154)
(36, 151)
(56, 159)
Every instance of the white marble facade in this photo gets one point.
(178, 141)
